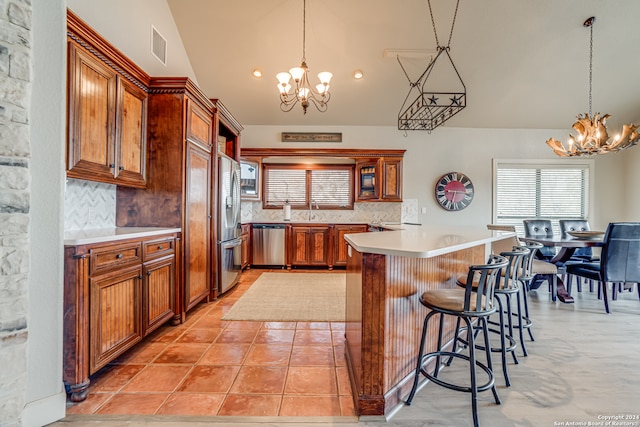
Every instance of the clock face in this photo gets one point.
(454, 191)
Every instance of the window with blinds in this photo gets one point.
(545, 191)
(325, 186)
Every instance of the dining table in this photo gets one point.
(566, 245)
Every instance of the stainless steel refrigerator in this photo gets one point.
(229, 227)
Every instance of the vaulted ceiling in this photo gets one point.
(525, 64)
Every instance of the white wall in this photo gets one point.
(631, 183)
(126, 24)
(45, 392)
(470, 151)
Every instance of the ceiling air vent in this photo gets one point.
(158, 46)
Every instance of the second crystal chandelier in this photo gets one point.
(303, 92)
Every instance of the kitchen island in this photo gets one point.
(386, 274)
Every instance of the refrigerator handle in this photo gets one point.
(231, 244)
(235, 195)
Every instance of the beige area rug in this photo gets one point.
(288, 297)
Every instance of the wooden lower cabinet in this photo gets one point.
(309, 246)
(116, 315)
(340, 245)
(115, 293)
(246, 246)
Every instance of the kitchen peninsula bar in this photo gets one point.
(386, 274)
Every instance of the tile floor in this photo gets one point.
(208, 366)
(581, 369)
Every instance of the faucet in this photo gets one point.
(311, 202)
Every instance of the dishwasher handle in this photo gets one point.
(268, 226)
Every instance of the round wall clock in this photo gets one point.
(454, 191)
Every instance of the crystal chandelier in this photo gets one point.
(592, 137)
(303, 91)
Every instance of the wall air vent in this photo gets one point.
(158, 46)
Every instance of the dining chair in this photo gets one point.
(580, 254)
(619, 260)
(567, 225)
(540, 228)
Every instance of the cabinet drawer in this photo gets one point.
(158, 248)
(107, 258)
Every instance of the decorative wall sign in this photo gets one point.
(311, 137)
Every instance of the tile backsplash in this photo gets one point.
(362, 212)
(89, 205)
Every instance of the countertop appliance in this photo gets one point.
(268, 244)
(229, 227)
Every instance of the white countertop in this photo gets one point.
(84, 237)
(423, 241)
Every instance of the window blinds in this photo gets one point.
(541, 191)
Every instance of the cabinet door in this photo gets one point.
(310, 245)
(391, 179)
(367, 181)
(245, 251)
(300, 246)
(91, 117)
(197, 236)
(199, 126)
(340, 245)
(319, 246)
(159, 292)
(115, 324)
(131, 145)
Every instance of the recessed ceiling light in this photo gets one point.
(257, 72)
(357, 74)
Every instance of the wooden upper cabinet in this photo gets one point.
(131, 144)
(379, 180)
(367, 180)
(91, 116)
(391, 172)
(199, 126)
(106, 111)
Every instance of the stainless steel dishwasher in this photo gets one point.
(268, 244)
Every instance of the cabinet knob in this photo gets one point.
(119, 256)
(148, 273)
(121, 168)
(112, 165)
(159, 247)
(140, 276)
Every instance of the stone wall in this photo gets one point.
(15, 87)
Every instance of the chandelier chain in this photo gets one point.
(453, 23)
(304, 30)
(590, 64)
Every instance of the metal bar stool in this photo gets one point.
(526, 277)
(507, 286)
(469, 305)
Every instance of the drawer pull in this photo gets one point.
(119, 256)
(159, 247)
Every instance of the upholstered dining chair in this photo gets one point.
(540, 228)
(567, 225)
(619, 259)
